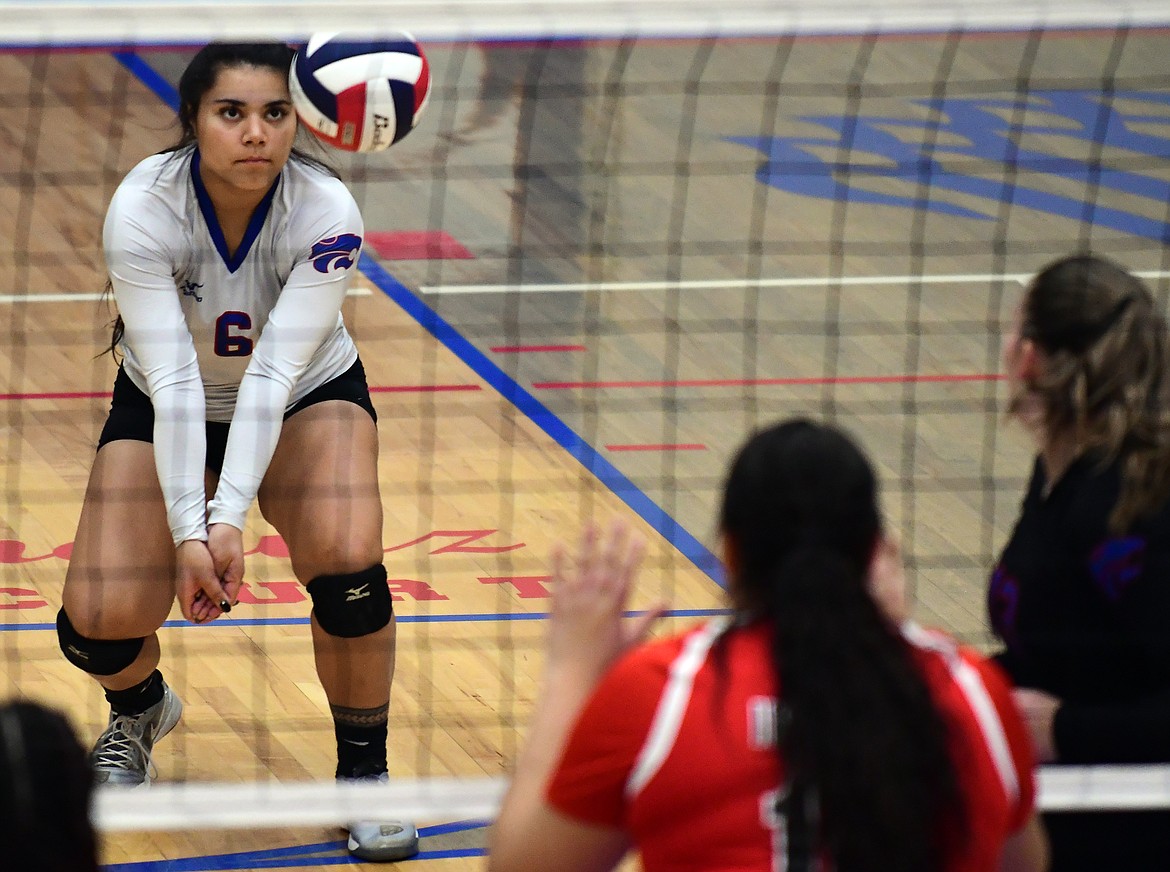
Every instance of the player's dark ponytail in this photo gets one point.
(864, 749)
(1106, 373)
(117, 326)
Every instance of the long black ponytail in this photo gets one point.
(864, 749)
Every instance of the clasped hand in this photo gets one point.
(209, 575)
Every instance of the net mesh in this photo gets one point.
(620, 239)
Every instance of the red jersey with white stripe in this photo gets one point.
(676, 747)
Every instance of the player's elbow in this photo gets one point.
(277, 373)
(506, 847)
(1026, 850)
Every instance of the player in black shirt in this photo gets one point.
(1081, 595)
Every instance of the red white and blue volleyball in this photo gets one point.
(360, 94)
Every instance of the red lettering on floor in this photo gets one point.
(281, 592)
(22, 596)
(400, 588)
(527, 586)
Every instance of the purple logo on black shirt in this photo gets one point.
(335, 252)
(1116, 563)
(1003, 602)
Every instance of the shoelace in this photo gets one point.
(366, 778)
(123, 746)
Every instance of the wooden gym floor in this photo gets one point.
(542, 354)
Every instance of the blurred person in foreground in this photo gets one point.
(46, 786)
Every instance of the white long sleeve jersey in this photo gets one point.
(239, 337)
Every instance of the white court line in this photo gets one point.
(87, 298)
(706, 284)
(807, 282)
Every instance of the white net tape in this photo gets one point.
(271, 804)
(1101, 788)
(122, 22)
(281, 804)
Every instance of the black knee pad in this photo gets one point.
(95, 656)
(353, 604)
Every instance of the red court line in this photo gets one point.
(765, 382)
(62, 395)
(105, 395)
(521, 349)
(418, 389)
(681, 446)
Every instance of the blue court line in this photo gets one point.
(150, 77)
(331, 853)
(509, 388)
(402, 619)
(561, 433)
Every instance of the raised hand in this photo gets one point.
(589, 595)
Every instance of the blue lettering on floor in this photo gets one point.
(989, 152)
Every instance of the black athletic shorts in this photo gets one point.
(132, 415)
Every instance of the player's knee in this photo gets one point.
(352, 604)
(96, 656)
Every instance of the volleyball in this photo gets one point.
(360, 95)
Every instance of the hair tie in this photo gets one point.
(1078, 338)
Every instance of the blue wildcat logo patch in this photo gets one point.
(1003, 604)
(335, 252)
(1117, 563)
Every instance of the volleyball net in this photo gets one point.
(623, 235)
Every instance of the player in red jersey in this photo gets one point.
(812, 728)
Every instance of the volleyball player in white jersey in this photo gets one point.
(229, 258)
